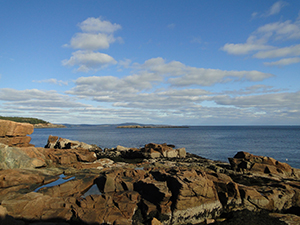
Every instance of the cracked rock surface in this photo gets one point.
(80, 184)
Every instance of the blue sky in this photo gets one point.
(161, 62)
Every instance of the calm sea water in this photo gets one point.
(213, 142)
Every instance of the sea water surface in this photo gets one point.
(213, 142)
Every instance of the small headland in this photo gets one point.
(37, 123)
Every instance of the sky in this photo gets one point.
(195, 62)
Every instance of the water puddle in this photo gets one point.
(59, 181)
(139, 168)
(94, 190)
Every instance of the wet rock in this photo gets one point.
(74, 187)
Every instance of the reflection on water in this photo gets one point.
(59, 181)
(94, 190)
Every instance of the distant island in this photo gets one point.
(151, 126)
(48, 125)
(37, 123)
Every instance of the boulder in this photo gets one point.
(15, 157)
(12, 129)
(63, 143)
(68, 157)
(15, 134)
(152, 150)
(260, 164)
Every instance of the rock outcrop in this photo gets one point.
(15, 158)
(244, 161)
(177, 195)
(15, 134)
(63, 143)
(149, 151)
(71, 183)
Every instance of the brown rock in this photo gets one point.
(63, 143)
(10, 128)
(68, 157)
(155, 221)
(35, 206)
(261, 164)
(14, 134)
(289, 219)
(74, 187)
(15, 157)
(16, 141)
(114, 208)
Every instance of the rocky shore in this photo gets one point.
(71, 182)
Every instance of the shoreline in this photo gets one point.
(155, 126)
(68, 181)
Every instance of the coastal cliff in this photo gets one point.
(71, 182)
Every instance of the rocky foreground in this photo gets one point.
(70, 182)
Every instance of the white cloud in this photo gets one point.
(252, 44)
(52, 81)
(254, 89)
(273, 10)
(9, 94)
(182, 75)
(276, 8)
(89, 41)
(270, 103)
(208, 77)
(94, 25)
(37, 98)
(293, 50)
(283, 62)
(275, 33)
(281, 30)
(97, 34)
(125, 63)
(87, 60)
(138, 90)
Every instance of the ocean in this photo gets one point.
(212, 142)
